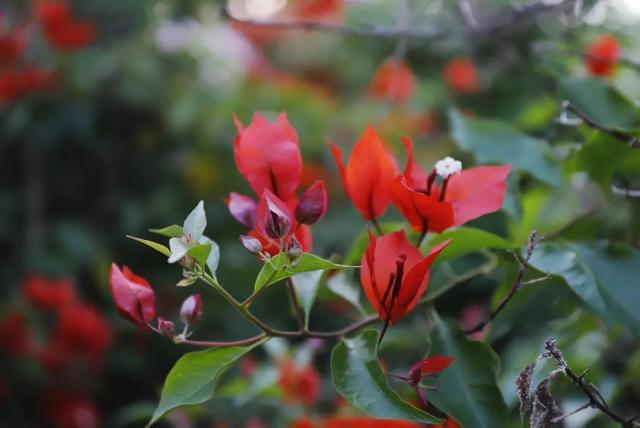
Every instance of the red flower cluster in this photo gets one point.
(80, 337)
(462, 76)
(60, 28)
(19, 79)
(268, 157)
(602, 56)
(393, 81)
(394, 275)
(300, 385)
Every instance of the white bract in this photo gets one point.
(192, 237)
(447, 167)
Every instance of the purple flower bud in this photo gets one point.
(191, 309)
(313, 204)
(243, 209)
(166, 327)
(294, 248)
(251, 244)
(277, 222)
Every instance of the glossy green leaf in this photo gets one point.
(156, 246)
(280, 267)
(194, 377)
(306, 285)
(359, 378)
(173, 231)
(599, 101)
(603, 276)
(465, 240)
(493, 141)
(621, 159)
(467, 389)
(341, 285)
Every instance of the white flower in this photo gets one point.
(447, 167)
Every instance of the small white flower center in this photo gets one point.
(447, 167)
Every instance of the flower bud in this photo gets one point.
(166, 327)
(277, 223)
(313, 204)
(251, 244)
(191, 309)
(294, 248)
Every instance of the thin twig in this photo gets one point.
(596, 400)
(296, 305)
(632, 142)
(511, 19)
(517, 285)
(571, 413)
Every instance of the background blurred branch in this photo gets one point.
(507, 20)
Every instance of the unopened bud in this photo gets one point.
(294, 248)
(312, 205)
(191, 309)
(251, 244)
(277, 223)
(447, 167)
(166, 327)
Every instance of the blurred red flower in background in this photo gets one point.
(14, 335)
(69, 410)
(602, 56)
(62, 31)
(462, 76)
(12, 44)
(368, 175)
(48, 294)
(299, 384)
(393, 81)
(19, 82)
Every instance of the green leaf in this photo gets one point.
(306, 285)
(620, 159)
(280, 267)
(450, 273)
(358, 377)
(200, 253)
(494, 141)
(173, 231)
(602, 103)
(339, 284)
(601, 275)
(466, 240)
(158, 247)
(194, 377)
(467, 389)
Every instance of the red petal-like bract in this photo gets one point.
(602, 55)
(368, 175)
(378, 265)
(393, 81)
(312, 205)
(429, 366)
(133, 296)
(274, 218)
(461, 76)
(268, 156)
(470, 194)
